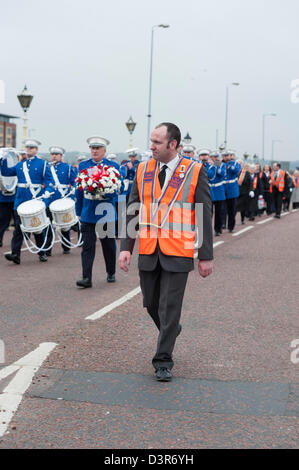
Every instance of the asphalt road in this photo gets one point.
(91, 385)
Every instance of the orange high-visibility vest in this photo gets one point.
(279, 183)
(294, 181)
(167, 215)
(254, 182)
(241, 177)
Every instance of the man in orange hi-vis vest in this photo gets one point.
(173, 199)
(278, 186)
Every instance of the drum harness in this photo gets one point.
(35, 189)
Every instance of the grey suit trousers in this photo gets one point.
(163, 293)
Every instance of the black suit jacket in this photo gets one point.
(177, 263)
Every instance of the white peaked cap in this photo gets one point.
(97, 141)
(111, 156)
(188, 148)
(82, 157)
(133, 151)
(56, 150)
(204, 152)
(31, 143)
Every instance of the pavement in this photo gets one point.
(73, 382)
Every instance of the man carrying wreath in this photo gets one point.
(95, 206)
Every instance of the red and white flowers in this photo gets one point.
(99, 180)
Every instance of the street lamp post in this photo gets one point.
(226, 110)
(25, 100)
(131, 126)
(263, 137)
(149, 115)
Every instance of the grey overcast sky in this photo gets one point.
(87, 65)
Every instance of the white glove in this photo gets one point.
(251, 194)
(291, 190)
(126, 185)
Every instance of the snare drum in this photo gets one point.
(33, 216)
(8, 183)
(64, 214)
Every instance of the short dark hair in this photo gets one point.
(173, 132)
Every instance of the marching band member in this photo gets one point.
(129, 169)
(63, 181)
(6, 211)
(33, 174)
(203, 156)
(188, 151)
(232, 192)
(216, 171)
(89, 210)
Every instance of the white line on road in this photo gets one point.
(284, 213)
(264, 221)
(217, 244)
(242, 231)
(295, 210)
(117, 303)
(13, 393)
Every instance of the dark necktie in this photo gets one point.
(162, 175)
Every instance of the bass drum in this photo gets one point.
(8, 183)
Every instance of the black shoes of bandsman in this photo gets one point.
(13, 257)
(84, 283)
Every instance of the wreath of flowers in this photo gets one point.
(99, 180)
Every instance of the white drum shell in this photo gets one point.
(64, 214)
(8, 184)
(33, 216)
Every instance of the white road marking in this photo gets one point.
(117, 303)
(13, 393)
(295, 210)
(242, 231)
(214, 246)
(264, 221)
(284, 213)
(217, 244)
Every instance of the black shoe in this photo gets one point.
(84, 283)
(66, 252)
(111, 278)
(163, 374)
(217, 234)
(49, 253)
(223, 227)
(43, 258)
(13, 257)
(231, 231)
(1, 243)
(277, 216)
(179, 330)
(243, 223)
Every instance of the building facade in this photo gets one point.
(8, 131)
